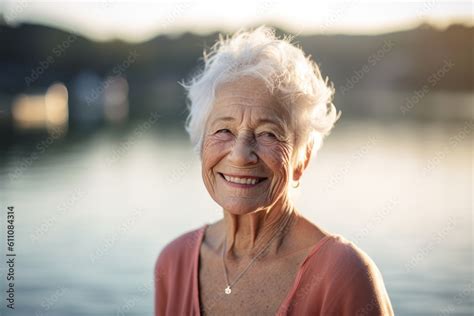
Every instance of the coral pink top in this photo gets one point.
(336, 278)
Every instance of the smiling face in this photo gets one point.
(247, 149)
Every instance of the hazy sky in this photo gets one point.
(140, 20)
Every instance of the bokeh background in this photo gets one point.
(94, 157)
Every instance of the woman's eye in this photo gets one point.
(268, 134)
(223, 130)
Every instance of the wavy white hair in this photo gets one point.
(293, 78)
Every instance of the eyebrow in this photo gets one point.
(223, 118)
(278, 123)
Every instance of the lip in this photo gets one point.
(241, 185)
(241, 176)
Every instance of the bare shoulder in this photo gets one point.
(349, 254)
(339, 255)
(356, 282)
(304, 233)
(348, 261)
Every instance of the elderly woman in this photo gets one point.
(258, 110)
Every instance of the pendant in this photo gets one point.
(227, 290)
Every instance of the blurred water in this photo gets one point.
(92, 216)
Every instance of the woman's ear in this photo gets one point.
(298, 171)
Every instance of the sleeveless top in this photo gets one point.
(335, 278)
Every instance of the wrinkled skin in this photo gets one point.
(247, 133)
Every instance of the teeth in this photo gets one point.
(240, 180)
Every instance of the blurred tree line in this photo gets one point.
(32, 57)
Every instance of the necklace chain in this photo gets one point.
(228, 289)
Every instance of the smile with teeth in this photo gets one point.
(241, 180)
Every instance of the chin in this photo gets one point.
(239, 208)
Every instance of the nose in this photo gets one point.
(243, 151)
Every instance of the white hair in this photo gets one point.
(293, 78)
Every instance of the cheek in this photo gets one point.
(278, 158)
(213, 151)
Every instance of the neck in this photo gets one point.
(248, 234)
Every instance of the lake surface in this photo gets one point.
(91, 216)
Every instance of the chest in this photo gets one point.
(259, 291)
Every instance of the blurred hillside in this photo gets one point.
(34, 57)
